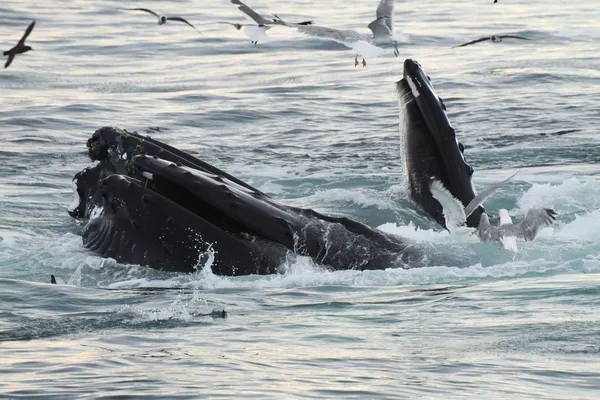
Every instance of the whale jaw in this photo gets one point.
(430, 147)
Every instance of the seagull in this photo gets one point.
(162, 19)
(493, 38)
(455, 214)
(258, 31)
(507, 233)
(254, 32)
(365, 44)
(20, 47)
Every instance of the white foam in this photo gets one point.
(573, 194)
(413, 232)
(175, 311)
(75, 278)
(302, 272)
(76, 199)
(361, 197)
(583, 228)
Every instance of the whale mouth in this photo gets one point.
(431, 148)
(152, 204)
(168, 207)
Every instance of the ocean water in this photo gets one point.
(295, 118)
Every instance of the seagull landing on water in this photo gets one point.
(258, 31)
(162, 19)
(493, 38)
(365, 44)
(507, 233)
(20, 47)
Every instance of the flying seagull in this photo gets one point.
(20, 47)
(162, 19)
(493, 38)
(365, 44)
(254, 32)
(455, 215)
(259, 30)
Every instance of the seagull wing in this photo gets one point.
(354, 40)
(380, 29)
(454, 213)
(184, 21)
(27, 32)
(473, 41)
(235, 25)
(337, 35)
(486, 231)
(256, 17)
(535, 219)
(385, 12)
(10, 58)
(146, 10)
(514, 37)
(486, 194)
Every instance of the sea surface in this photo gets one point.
(296, 119)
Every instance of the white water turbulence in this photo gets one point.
(296, 119)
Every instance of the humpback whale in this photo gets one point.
(148, 203)
(430, 147)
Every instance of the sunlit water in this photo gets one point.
(296, 119)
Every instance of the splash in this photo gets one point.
(572, 195)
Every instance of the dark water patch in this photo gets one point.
(321, 306)
(40, 328)
(31, 139)
(196, 97)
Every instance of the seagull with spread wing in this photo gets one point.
(162, 19)
(507, 233)
(20, 47)
(258, 31)
(254, 32)
(365, 44)
(455, 217)
(493, 38)
(455, 214)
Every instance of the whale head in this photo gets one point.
(429, 145)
